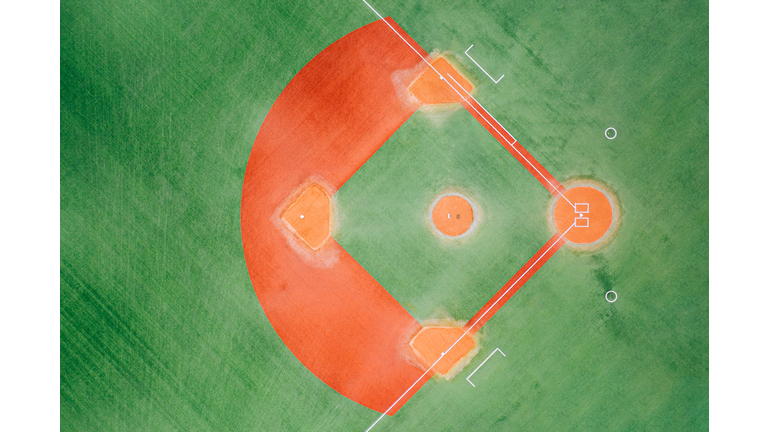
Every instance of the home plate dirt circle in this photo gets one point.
(586, 214)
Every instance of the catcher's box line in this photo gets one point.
(472, 326)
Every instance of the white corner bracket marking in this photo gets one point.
(486, 359)
(481, 68)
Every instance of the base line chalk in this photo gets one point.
(461, 96)
(470, 327)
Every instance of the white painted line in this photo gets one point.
(505, 139)
(481, 364)
(472, 326)
(581, 208)
(481, 68)
(441, 75)
(465, 100)
(614, 298)
(401, 37)
(581, 222)
(521, 276)
(409, 388)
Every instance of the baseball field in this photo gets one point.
(305, 217)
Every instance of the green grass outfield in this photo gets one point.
(160, 104)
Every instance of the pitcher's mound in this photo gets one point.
(453, 215)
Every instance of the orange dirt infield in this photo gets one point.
(593, 218)
(452, 215)
(430, 89)
(431, 342)
(309, 216)
(328, 121)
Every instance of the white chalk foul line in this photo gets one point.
(481, 68)
(465, 100)
(503, 137)
(511, 286)
(418, 53)
(472, 326)
(401, 37)
(481, 364)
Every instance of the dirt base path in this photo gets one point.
(515, 283)
(508, 141)
(334, 317)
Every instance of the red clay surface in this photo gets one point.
(452, 215)
(309, 216)
(337, 320)
(598, 216)
(431, 342)
(430, 89)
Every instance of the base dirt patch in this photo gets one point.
(431, 342)
(309, 216)
(430, 89)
